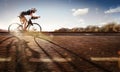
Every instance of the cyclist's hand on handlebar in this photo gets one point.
(35, 17)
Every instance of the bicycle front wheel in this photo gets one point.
(35, 28)
(15, 28)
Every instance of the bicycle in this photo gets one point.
(31, 27)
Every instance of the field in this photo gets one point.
(60, 52)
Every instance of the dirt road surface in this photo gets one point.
(33, 52)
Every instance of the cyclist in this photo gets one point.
(23, 18)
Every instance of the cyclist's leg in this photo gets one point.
(23, 20)
(28, 23)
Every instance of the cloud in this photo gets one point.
(114, 10)
(79, 12)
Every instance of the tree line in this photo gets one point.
(110, 27)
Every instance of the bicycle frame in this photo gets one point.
(14, 27)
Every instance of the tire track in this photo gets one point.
(80, 57)
(6, 39)
(62, 69)
(15, 63)
(5, 53)
(22, 63)
(7, 66)
(76, 69)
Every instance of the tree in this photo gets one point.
(92, 28)
(63, 30)
(77, 29)
(110, 27)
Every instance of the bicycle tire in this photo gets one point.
(10, 27)
(39, 28)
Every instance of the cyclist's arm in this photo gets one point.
(34, 17)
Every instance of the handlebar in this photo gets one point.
(35, 17)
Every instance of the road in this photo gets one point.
(31, 52)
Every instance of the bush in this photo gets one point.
(110, 27)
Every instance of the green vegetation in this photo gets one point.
(110, 27)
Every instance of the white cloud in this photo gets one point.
(114, 10)
(79, 12)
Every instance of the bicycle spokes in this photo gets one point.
(14, 28)
(34, 28)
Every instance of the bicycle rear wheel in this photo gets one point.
(15, 28)
(35, 28)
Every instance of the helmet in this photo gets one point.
(33, 9)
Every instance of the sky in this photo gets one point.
(57, 14)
